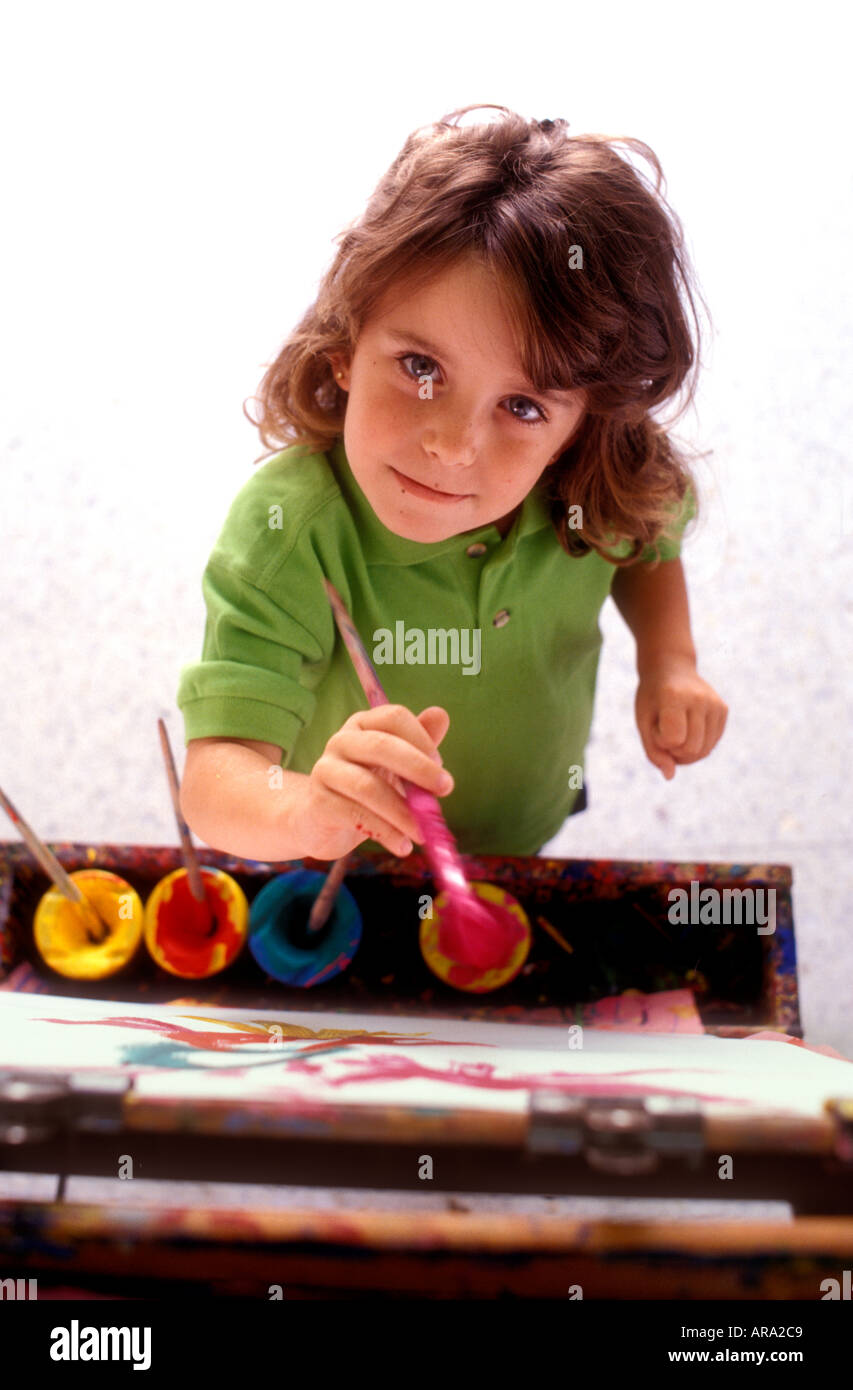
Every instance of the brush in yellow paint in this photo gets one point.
(89, 924)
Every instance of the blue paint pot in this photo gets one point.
(279, 938)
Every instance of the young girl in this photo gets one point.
(473, 463)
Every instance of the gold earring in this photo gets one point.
(339, 375)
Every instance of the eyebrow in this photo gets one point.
(417, 340)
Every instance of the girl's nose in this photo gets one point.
(452, 442)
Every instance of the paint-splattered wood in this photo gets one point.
(421, 1254)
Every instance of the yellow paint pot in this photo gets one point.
(468, 977)
(62, 930)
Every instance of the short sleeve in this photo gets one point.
(247, 683)
(668, 547)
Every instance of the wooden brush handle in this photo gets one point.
(437, 841)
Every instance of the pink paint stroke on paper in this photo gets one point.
(482, 1074)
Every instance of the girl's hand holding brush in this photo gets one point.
(354, 791)
(475, 937)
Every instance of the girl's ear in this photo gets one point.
(340, 370)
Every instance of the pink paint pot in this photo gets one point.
(459, 974)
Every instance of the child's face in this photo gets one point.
(472, 438)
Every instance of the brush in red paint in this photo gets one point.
(196, 918)
(475, 938)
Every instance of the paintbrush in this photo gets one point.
(97, 929)
(473, 932)
(188, 854)
(325, 899)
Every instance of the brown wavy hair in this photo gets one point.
(522, 196)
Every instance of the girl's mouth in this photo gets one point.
(430, 493)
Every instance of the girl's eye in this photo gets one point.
(414, 357)
(421, 357)
(540, 414)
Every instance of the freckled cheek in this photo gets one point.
(505, 475)
(382, 406)
(394, 422)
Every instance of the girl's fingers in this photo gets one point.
(363, 788)
(362, 809)
(692, 745)
(678, 733)
(670, 727)
(697, 727)
(373, 748)
(657, 756)
(375, 828)
(706, 727)
(436, 721)
(722, 715)
(366, 763)
(396, 719)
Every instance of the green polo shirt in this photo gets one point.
(273, 667)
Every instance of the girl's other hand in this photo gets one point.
(355, 788)
(679, 715)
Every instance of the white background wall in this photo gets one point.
(172, 178)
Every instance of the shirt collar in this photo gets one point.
(381, 546)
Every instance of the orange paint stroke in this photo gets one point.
(254, 1033)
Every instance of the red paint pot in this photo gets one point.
(195, 940)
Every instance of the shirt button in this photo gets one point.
(476, 549)
(501, 619)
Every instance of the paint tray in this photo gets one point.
(361, 1082)
(611, 916)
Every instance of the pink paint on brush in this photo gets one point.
(473, 932)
